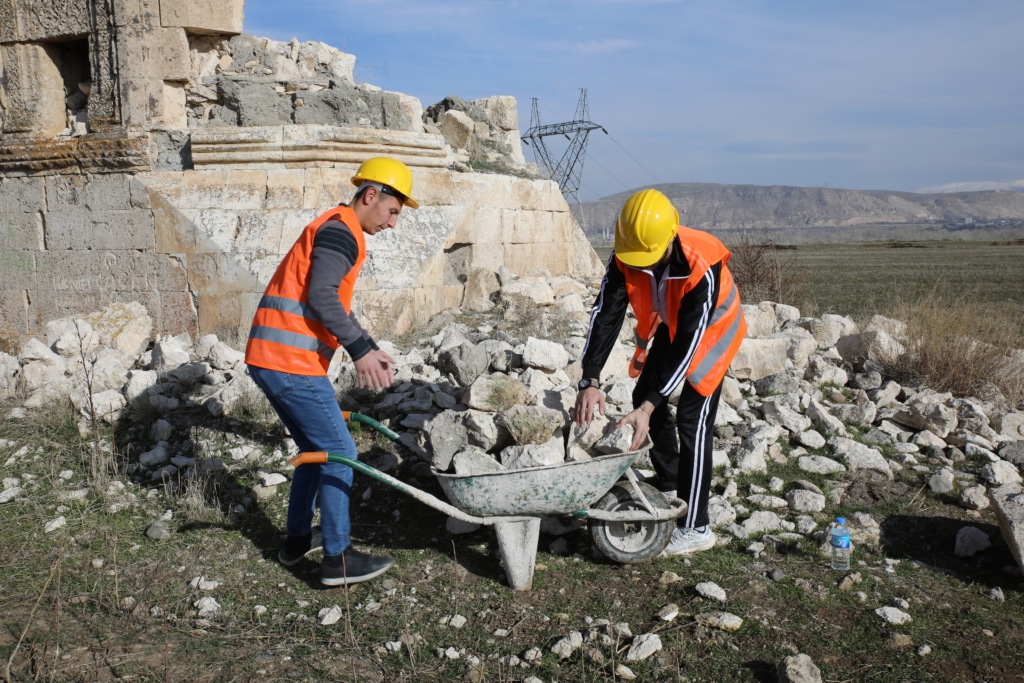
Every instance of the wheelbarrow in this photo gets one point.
(629, 521)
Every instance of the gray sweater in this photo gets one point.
(334, 253)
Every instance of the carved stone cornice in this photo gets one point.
(93, 153)
(305, 146)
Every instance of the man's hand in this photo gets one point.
(640, 419)
(373, 371)
(588, 403)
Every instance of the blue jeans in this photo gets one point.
(308, 408)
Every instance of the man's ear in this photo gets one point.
(368, 195)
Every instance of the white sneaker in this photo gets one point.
(686, 541)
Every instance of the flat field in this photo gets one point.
(864, 278)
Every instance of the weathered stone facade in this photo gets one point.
(151, 152)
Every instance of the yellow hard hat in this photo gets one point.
(391, 173)
(646, 225)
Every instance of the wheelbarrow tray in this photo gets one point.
(536, 491)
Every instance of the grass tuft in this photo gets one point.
(962, 346)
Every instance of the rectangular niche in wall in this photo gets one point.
(76, 73)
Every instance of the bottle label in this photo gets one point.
(840, 541)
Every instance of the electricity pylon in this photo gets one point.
(569, 170)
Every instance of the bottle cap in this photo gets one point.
(840, 520)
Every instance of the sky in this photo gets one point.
(900, 95)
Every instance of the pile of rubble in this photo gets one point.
(807, 391)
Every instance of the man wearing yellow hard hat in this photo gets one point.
(689, 325)
(305, 315)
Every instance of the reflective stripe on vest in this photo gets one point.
(286, 334)
(726, 328)
(722, 352)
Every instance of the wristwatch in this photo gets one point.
(586, 383)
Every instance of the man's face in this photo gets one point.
(381, 211)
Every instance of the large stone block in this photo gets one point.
(142, 101)
(196, 190)
(758, 358)
(260, 231)
(107, 192)
(389, 313)
(66, 192)
(215, 229)
(174, 111)
(131, 229)
(285, 188)
(1008, 502)
(502, 112)
(33, 89)
(486, 256)
(526, 258)
(136, 12)
(176, 313)
(47, 304)
(19, 232)
(245, 190)
(223, 314)
(22, 195)
(173, 232)
(203, 16)
(13, 311)
(18, 268)
(153, 53)
(126, 271)
(457, 129)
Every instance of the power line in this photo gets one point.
(622, 126)
(637, 161)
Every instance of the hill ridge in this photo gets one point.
(796, 214)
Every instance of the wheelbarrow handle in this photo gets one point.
(369, 421)
(320, 457)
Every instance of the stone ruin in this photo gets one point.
(152, 152)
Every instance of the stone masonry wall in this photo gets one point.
(151, 152)
(197, 247)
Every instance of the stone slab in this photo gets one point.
(22, 195)
(25, 20)
(127, 271)
(153, 52)
(33, 89)
(13, 314)
(132, 229)
(1008, 503)
(18, 232)
(107, 192)
(203, 16)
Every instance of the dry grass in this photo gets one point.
(962, 346)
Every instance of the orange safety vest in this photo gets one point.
(726, 329)
(285, 334)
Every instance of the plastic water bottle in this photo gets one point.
(839, 538)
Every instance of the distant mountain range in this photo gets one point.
(1016, 186)
(821, 214)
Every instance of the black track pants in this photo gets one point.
(681, 453)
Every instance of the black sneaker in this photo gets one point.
(353, 566)
(297, 547)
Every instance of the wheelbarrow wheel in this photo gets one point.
(629, 542)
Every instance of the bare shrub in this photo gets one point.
(765, 270)
(962, 346)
